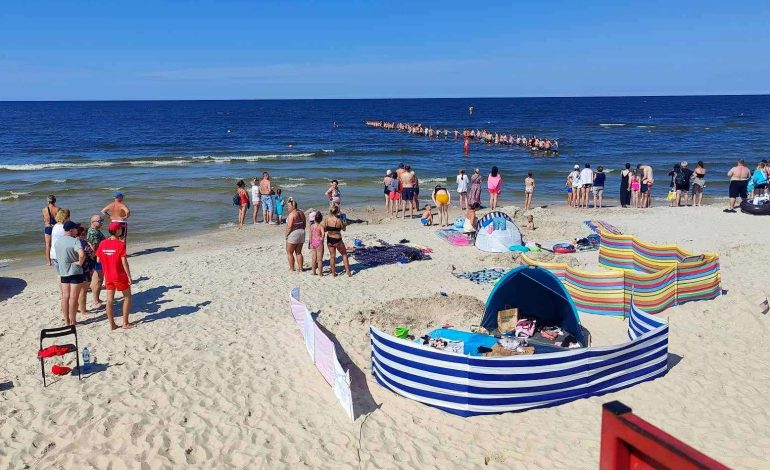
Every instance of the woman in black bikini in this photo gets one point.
(333, 227)
(49, 219)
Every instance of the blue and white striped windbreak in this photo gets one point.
(468, 386)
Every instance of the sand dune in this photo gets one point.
(215, 374)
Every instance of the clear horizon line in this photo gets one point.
(388, 98)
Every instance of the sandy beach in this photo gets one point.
(215, 374)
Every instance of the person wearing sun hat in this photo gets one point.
(119, 212)
(117, 274)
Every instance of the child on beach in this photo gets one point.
(636, 185)
(117, 275)
(316, 243)
(529, 189)
(471, 222)
(530, 222)
(279, 203)
(427, 216)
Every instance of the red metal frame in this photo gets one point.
(631, 443)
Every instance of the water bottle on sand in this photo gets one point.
(86, 358)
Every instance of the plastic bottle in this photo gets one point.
(86, 358)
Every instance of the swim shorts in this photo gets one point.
(394, 196)
(120, 285)
(407, 194)
(74, 279)
(47, 230)
(267, 202)
(644, 188)
(739, 189)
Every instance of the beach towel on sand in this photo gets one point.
(387, 254)
(453, 237)
(484, 276)
(597, 226)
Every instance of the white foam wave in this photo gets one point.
(53, 166)
(148, 162)
(251, 158)
(62, 180)
(113, 189)
(293, 179)
(434, 180)
(14, 195)
(159, 162)
(612, 124)
(327, 151)
(291, 185)
(646, 127)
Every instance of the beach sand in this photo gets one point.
(215, 375)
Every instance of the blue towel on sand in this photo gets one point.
(471, 341)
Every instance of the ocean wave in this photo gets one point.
(14, 195)
(291, 185)
(54, 166)
(328, 151)
(179, 161)
(612, 124)
(434, 180)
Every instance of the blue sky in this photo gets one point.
(74, 50)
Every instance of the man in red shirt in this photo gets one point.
(117, 275)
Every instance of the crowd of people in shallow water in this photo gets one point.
(533, 143)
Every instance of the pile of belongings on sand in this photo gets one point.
(514, 337)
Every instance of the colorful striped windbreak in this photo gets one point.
(660, 276)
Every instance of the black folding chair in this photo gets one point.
(56, 333)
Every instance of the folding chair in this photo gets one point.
(63, 348)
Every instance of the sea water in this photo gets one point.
(178, 161)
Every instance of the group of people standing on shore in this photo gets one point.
(84, 258)
(277, 211)
(533, 143)
(270, 200)
(401, 189)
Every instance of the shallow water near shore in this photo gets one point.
(177, 162)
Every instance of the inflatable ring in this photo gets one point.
(564, 248)
(755, 209)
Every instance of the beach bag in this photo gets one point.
(236, 200)
(507, 319)
(671, 195)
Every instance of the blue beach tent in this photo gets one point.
(537, 293)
